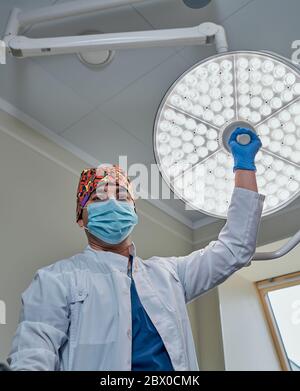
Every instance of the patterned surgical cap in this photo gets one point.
(92, 178)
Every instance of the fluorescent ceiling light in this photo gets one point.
(257, 90)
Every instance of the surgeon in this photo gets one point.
(107, 309)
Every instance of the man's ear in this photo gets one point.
(80, 223)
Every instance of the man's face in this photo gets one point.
(103, 194)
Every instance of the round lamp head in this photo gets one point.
(254, 90)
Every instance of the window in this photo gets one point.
(280, 297)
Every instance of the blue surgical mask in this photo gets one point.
(111, 220)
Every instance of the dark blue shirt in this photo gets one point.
(148, 350)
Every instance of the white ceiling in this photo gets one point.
(110, 112)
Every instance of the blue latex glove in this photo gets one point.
(244, 155)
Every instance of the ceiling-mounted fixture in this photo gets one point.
(258, 90)
(21, 46)
(196, 3)
(95, 59)
(206, 104)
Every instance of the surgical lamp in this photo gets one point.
(257, 90)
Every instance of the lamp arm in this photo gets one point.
(22, 46)
(287, 247)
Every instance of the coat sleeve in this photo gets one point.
(204, 269)
(43, 324)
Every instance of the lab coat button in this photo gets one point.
(129, 333)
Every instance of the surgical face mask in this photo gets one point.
(112, 220)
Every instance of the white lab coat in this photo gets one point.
(76, 313)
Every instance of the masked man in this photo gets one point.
(106, 308)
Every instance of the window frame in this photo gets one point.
(265, 286)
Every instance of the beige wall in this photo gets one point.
(37, 201)
(247, 341)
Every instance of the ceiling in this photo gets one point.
(102, 114)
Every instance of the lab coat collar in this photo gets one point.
(113, 260)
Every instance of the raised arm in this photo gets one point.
(204, 269)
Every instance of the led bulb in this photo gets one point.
(187, 135)
(228, 101)
(169, 114)
(229, 114)
(267, 94)
(274, 123)
(255, 77)
(263, 130)
(201, 73)
(191, 80)
(256, 102)
(296, 89)
(255, 63)
(255, 117)
(187, 147)
(216, 106)
(277, 134)
(176, 131)
(227, 89)
(265, 110)
(212, 145)
(243, 76)
(290, 79)
(208, 115)
(274, 146)
(289, 127)
(279, 72)
(164, 149)
(242, 63)
(212, 134)
(283, 194)
(191, 124)
(267, 80)
(214, 81)
(278, 86)
(226, 78)
(244, 100)
(213, 67)
(215, 93)
(219, 120)
(164, 137)
(284, 116)
(294, 109)
(226, 65)
(203, 87)
(276, 103)
(180, 119)
(267, 66)
(289, 139)
(202, 152)
(198, 110)
(286, 96)
(198, 141)
(201, 129)
(182, 89)
(205, 100)
(243, 88)
(256, 89)
(175, 142)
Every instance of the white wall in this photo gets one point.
(246, 337)
(37, 205)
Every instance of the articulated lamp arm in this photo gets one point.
(287, 247)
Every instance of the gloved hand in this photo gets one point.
(244, 155)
